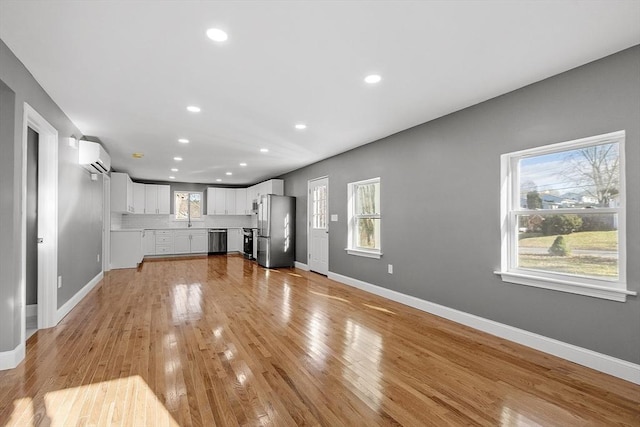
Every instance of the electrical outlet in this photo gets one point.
(390, 268)
(59, 282)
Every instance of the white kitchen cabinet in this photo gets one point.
(126, 248)
(221, 201)
(149, 242)
(181, 242)
(121, 193)
(157, 199)
(199, 241)
(249, 200)
(230, 201)
(241, 202)
(164, 199)
(272, 186)
(216, 201)
(190, 241)
(235, 241)
(164, 242)
(138, 198)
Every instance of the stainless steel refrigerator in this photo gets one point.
(276, 231)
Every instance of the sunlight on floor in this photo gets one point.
(375, 307)
(125, 401)
(330, 296)
(524, 410)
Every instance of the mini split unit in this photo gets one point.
(93, 157)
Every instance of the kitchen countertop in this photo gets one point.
(181, 228)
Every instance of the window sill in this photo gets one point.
(364, 253)
(604, 292)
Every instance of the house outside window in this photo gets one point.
(364, 218)
(563, 217)
(187, 206)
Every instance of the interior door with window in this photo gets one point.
(318, 216)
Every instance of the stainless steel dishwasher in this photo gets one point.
(217, 241)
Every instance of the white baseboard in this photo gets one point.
(582, 356)
(31, 310)
(10, 359)
(73, 301)
(301, 266)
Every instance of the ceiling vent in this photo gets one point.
(93, 157)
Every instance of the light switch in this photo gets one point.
(334, 217)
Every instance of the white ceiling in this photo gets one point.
(125, 71)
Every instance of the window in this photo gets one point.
(364, 218)
(563, 217)
(187, 206)
(319, 206)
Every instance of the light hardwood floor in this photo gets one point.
(222, 341)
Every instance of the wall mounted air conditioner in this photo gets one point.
(93, 157)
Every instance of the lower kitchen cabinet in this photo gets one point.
(126, 248)
(199, 242)
(190, 241)
(149, 242)
(164, 242)
(235, 241)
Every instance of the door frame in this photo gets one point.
(309, 219)
(106, 223)
(47, 220)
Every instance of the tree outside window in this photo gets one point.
(564, 216)
(187, 205)
(364, 217)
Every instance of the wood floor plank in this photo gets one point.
(221, 341)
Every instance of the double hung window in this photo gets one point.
(563, 217)
(188, 206)
(364, 218)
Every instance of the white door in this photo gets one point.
(318, 219)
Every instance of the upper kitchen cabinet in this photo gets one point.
(157, 199)
(216, 201)
(272, 186)
(226, 201)
(121, 193)
(230, 202)
(241, 202)
(138, 198)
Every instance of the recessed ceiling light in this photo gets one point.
(183, 140)
(301, 126)
(264, 150)
(137, 155)
(174, 169)
(229, 173)
(373, 78)
(193, 109)
(218, 180)
(243, 164)
(217, 35)
(177, 159)
(172, 177)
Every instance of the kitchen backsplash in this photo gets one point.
(116, 221)
(166, 221)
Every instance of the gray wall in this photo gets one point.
(441, 200)
(9, 219)
(79, 198)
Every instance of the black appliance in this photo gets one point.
(247, 246)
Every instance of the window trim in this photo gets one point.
(351, 248)
(188, 219)
(615, 290)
